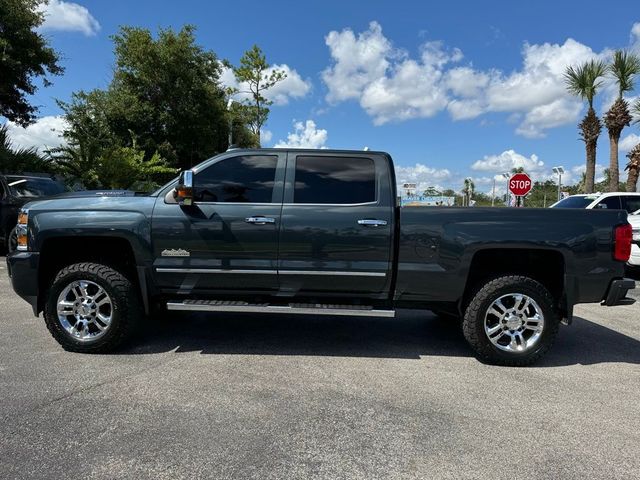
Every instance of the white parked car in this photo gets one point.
(634, 220)
(629, 201)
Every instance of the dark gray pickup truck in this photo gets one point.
(312, 232)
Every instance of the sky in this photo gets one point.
(461, 89)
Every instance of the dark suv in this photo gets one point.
(15, 191)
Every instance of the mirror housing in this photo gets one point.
(184, 190)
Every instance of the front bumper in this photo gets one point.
(23, 271)
(617, 294)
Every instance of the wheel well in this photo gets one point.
(545, 266)
(57, 253)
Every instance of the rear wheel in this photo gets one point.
(511, 320)
(91, 308)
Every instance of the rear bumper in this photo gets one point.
(617, 294)
(23, 271)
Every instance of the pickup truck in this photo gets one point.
(312, 232)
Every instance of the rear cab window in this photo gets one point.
(334, 180)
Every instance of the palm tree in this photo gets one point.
(624, 68)
(584, 82)
(20, 160)
(634, 168)
(468, 189)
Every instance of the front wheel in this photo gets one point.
(91, 308)
(511, 320)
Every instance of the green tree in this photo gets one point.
(166, 90)
(25, 55)
(584, 82)
(256, 73)
(624, 68)
(20, 160)
(431, 192)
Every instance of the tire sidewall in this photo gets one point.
(524, 286)
(51, 307)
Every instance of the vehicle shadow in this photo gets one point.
(411, 335)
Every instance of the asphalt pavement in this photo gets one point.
(286, 397)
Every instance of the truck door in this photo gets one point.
(337, 224)
(228, 239)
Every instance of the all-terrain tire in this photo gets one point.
(473, 324)
(126, 311)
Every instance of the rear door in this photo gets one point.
(228, 240)
(337, 223)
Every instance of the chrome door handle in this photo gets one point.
(260, 220)
(370, 222)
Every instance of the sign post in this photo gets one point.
(520, 184)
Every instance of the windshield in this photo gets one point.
(33, 187)
(574, 202)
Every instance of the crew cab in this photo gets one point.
(313, 232)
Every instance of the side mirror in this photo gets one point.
(184, 190)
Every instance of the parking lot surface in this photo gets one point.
(286, 397)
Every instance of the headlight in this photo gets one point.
(22, 230)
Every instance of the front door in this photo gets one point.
(227, 241)
(337, 221)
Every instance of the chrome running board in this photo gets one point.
(295, 308)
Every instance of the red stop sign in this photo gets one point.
(520, 184)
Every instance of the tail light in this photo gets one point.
(622, 242)
(22, 230)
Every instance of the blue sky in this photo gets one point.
(454, 91)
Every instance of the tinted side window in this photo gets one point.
(610, 202)
(334, 180)
(246, 179)
(631, 203)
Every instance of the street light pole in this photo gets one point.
(559, 171)
(493, 192)
(229, 103)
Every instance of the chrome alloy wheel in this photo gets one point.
(85, 310)
(514, 322)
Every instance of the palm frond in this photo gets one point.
(635, 110)
(584, 80)
(624, 68)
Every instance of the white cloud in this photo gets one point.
(45, 133)
(628, 142)
(304, 135)
(68, 16)
(392, 86)
(293, 86)
(424, 177)
(635, 36)
(266, 136)
(357, 61)
(550, 115)
(507, 160)
(388, 84)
